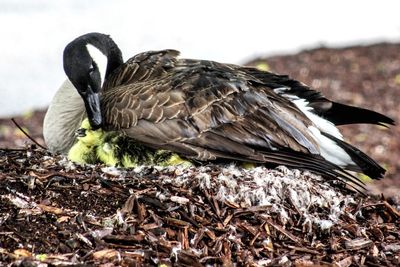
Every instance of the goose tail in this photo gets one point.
(340, 114)
(362, 162)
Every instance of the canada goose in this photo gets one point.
(208, 110)
(114, 149)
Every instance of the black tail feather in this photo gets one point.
(340, 114)
(366, 164)
(336, 113)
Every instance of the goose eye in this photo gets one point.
(92, 68)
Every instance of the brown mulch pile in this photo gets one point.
(53, 212)
(57, 213)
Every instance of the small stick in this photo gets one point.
(8, 149)
(27, 135)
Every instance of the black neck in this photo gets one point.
(114, 57)
(108, 47)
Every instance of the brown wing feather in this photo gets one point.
(196, 98)
(207, 110)
(142, 67)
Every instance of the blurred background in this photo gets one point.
(34, 34)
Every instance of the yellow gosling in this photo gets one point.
(248, 165)
(106, 154)
(113, 149)
(175, 159)
(83, 151)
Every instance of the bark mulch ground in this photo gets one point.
(56, 213)
(53, 212)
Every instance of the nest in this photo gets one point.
(58, 213)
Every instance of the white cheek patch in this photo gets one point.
(100, 59)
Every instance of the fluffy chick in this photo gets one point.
(84, 149)
(115, 149)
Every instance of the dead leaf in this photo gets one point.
(106, 254)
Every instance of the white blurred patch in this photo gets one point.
(113, 171)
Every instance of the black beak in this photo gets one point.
(81, 132)
(92, 104)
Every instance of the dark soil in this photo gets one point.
(55, 213)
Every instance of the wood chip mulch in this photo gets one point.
(56, 213)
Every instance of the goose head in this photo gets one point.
(88, 60)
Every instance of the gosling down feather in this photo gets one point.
(114, 149)
(207, 110)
